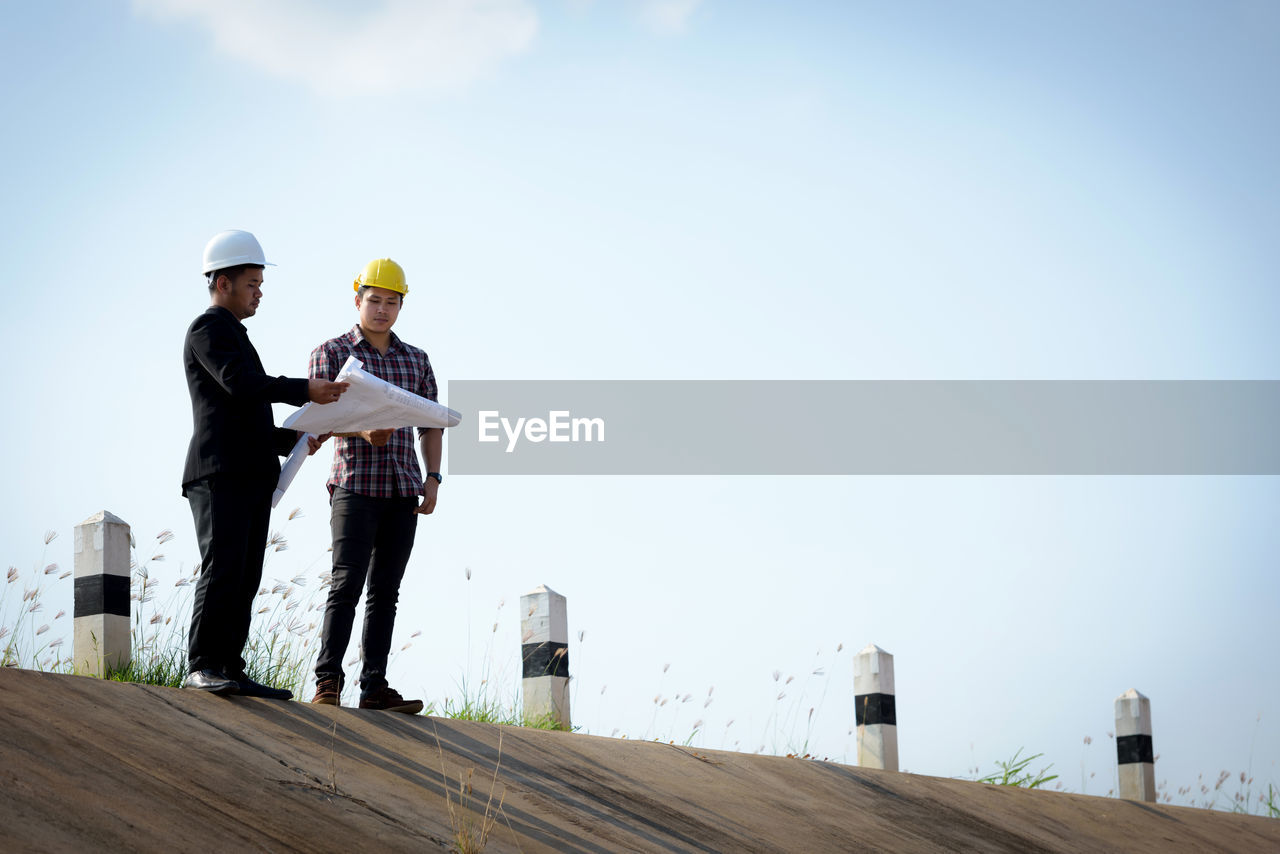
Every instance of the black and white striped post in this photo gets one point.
(874, 709)
(544, 649)
(101, 636)
(1135, 758)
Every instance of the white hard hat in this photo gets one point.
(231, 249)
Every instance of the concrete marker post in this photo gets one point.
(101, 641)
(544, 649)
(875, 709)
(1135, 758)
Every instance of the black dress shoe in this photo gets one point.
(249, 688)
(210, 680)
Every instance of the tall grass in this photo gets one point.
(282, 634)
(482, 699)
(27, 636)
(797, 705)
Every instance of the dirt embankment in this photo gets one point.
(87, 765)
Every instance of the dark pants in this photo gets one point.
(232, 516)
(372, 539)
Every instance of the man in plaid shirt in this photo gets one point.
(374, 487)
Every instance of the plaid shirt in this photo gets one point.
(358, 466)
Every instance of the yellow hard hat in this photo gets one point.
(383, 273)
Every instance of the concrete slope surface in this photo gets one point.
(87, 765)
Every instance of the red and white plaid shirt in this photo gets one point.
(358, 466)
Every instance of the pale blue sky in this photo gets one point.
(698, 190)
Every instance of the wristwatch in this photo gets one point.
(439, 478)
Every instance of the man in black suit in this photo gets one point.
(233, 462)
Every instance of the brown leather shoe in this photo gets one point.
(389, 700)
(327, 691)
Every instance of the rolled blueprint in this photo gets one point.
(369, 403)
(290, 468)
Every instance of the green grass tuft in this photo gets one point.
(1013, 772)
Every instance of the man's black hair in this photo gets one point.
(230, 273)
(363, 288)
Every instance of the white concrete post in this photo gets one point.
(101, 639)
(1134, 754)
(874, 709)
(544, 648)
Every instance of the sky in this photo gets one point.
(694, 190)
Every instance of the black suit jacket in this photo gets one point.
(231, 399)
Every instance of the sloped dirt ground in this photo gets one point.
(87, 765)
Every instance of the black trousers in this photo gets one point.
(372, 539)
(232, 515)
